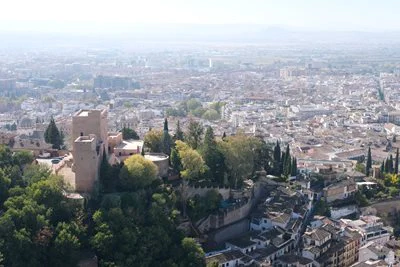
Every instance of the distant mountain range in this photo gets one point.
(80, 33)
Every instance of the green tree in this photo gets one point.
(387, 168)
(396, 163)
(153, 141)
(217, 106)
(6, 158)
(287, 162)
(176, 161)
(66, 244)
(213, 157)
(143, 217)
(294, 167)
(263, 156)
(277, 159)
(5, 183)
(390, 164)
(361, 200)
(107, 181)
(194, 134)
(35, 173)
(193, 166)
(211, 115)
(193, 253)
(22, 158)
(52, 135)
(166, 139)
(137, 172)
(322, 208)
(239, 152)
(175, 112)
(128, 133)
(192, 104)
(368, 165)
(178, 133)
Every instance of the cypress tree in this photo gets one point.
(387, 166)
(396, 164)
(176, 161)
(223, 136)
(294, 167)
(368, 165)
(106, 183)
(213, 158)
(282, 164)
(165, 125)
(383, 167)
(277, 152)
(166, 139)
(390, 164)
(277, 159)
(287, 162)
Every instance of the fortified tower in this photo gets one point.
(89, 132)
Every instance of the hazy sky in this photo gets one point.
(373, 15)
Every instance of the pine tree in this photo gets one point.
(166, 139)
(368, 165)
(52, 135)
(396, 164)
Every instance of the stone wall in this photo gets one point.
(337, 213)
(226, 217)
(231, 231)
(385, 209)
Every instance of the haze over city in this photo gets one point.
(222, 133)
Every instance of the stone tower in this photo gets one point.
(89, 132)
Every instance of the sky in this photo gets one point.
(349, 15)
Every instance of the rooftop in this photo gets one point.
(225, 256)
(83, 113)
(130, 145)
(155, 157)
